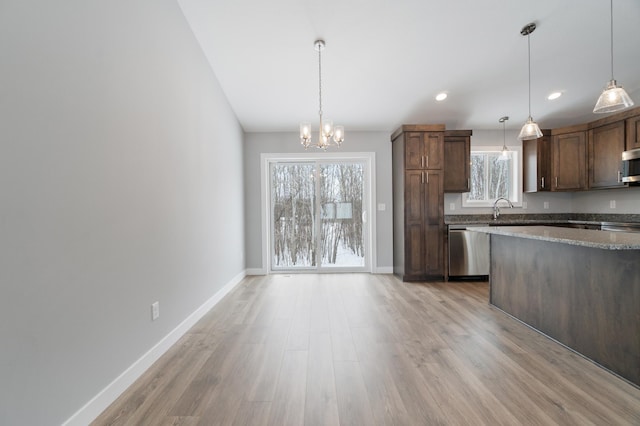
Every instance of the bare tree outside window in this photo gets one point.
(490, 176)
(295, 224)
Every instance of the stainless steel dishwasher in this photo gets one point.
(468, 252)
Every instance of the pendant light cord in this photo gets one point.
(529, 51)
(611, 13)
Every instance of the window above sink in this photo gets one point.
(494, 175)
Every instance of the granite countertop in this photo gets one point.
(607, 240)
(532, 219)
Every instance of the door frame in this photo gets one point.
(369, 191)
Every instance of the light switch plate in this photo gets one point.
(155, 310)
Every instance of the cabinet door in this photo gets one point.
(606, 144)
(414, 214)
(414, 151)
(434, 234)
(568, 157)
(633, 133)
(537, 164)
(457, 155)
(424, 150)
(433, 150)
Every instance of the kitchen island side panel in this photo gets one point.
(585, 298)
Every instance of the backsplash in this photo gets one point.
(605, 201)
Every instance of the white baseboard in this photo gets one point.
(104, 398)
(384, 270)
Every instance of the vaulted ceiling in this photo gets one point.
(385, 60)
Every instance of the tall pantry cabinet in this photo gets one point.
(418, 202)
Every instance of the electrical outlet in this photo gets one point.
(545, 205)
(155, 311)
(382, 207)
(612, 204)
(452, 206)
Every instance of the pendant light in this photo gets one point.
(613, 97)
(327, 131)
(505, 151)
(530, 130)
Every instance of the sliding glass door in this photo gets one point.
(318, 215)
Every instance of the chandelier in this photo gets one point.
(327, 133)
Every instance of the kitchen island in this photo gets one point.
(579, 287)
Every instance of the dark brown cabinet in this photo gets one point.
(457, 157)
(418, 202)
(424, 238)
(569, 160)
(423, 150)
(606, 144)
(633, 131)
(536, 168)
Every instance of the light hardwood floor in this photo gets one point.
(360, 349)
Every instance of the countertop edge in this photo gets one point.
(571, 236)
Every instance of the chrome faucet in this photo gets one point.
(496, 209)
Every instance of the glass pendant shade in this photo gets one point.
(327, 128)
(338, 134)
(613, 98)
(305, 131)
(530, 130)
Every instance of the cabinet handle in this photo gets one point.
(427, 174)
(468, 183)
(556, 181)
(542, 185)
(422, 174)
(427, 164)
(422, 161)
(619, 176)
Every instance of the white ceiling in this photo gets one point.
(385, 60)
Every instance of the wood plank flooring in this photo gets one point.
(360, 349)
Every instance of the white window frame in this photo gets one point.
(515, 195)
(370, 200)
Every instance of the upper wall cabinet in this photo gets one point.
(633, 131)
(536, 165)
(457, 158)
(606, 144)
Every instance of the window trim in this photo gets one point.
(368, 157)
(516, 194)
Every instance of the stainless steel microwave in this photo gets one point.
(631, 166)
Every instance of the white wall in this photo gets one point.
(258, 143)
(627, 199)
(120, 185)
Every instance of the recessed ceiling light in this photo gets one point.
(441, 96)
(554, 95)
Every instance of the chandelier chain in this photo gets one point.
(320, 79)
